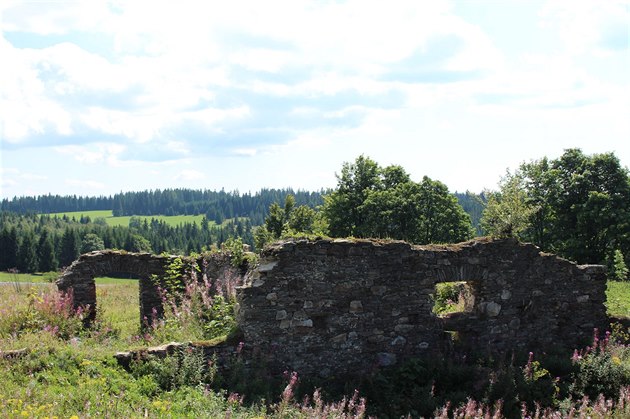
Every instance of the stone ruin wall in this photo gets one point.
(79, 277)
(338, 306)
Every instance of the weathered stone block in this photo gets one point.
(356, 306)
(386, 359)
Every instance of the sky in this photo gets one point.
(98, 97)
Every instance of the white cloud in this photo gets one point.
(172, 59)
(85, 184)
(248, 152)
(179, 147)
(19, 174)
(93, 153)
(189, 175)
(583, 25)
(12, 178)
(55, 17)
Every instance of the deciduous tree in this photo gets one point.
(91, 242)
(374, 202)
(576, 205)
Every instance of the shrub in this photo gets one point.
(617, 268)
(50, 312)
(183, 368)
(194, 307)
(602, 369)
(449, 297)
(50, 276)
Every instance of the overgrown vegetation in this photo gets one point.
(195, 307)
(618, 299)
(63, 370)
(450, 297)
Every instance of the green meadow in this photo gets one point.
(49, 277)
(172, 220)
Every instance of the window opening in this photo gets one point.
(453, 297)
(117, 301)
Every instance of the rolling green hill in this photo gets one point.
(172, 220)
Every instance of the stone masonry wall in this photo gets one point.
(332, 306)
(79, 277)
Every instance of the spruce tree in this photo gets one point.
(27, 254)
(46, 253)
(8, 248)
(70, 246)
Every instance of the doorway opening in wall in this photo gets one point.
(117, 302)
(453, 297)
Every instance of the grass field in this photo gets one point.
(117, 298)
(38, 277)
(10, 277)
(618, 298)
(172, 220)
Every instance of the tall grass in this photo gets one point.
(197, 308)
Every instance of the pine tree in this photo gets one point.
(27, 254)
(70, 245)
(8, 248)
(46, 253)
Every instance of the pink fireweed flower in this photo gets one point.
(604, 344)
(154, 317)
(576, 356)
(235, 398)
(528, 368)
(287, 394)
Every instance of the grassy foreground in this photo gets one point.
(67, 372)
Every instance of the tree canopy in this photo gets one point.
(371, 201)
(577, 206)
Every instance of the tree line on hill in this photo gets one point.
(216, 206)
(32, 242)
(41, 243)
